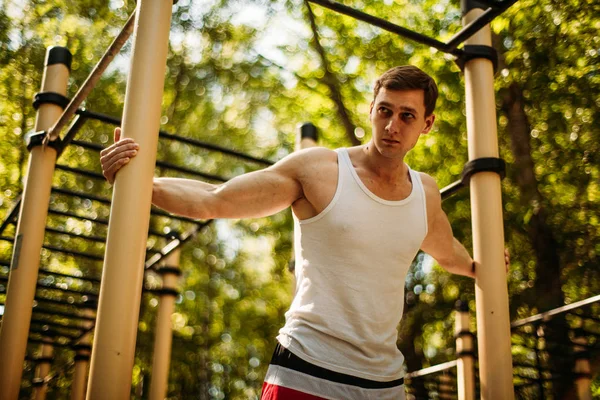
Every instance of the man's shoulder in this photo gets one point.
(316, 155)
(429, 185)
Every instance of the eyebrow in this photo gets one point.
(403, 108)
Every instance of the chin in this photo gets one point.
(394, 152)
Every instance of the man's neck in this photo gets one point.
(386, 168)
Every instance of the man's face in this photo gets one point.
(397, 120)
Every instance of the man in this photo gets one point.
(362, 214)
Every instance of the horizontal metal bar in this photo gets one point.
(102, 221)
(45, 300)
(549, 314)
(82, 195)
(98, 239)
(43, 310)
(386, 25)
(43, 331)
(61, 274)
(175, 243)
(41, 285)
(75, 127)
(67, 325)
(78, 171)
(166, 135)
(451, 189)
(70, 214)
(74, 253)
(432, 370)
(55, 343)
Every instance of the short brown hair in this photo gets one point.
(407, 77)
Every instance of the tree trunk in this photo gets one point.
(332, 81)
(547, 292)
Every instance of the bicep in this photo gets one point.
(256, 194)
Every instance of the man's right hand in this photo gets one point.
(114, 157)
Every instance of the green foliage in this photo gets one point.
(243, 75)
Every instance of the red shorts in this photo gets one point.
(275, 392)
(291, 378)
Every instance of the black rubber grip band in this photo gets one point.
(59, 55)
(583, 375)
(169, 270)
(464, 334)
(81, 357)
(465, 353)
(82, 347)
(461, 306)
(486, 164)
(308, 131)
(33, 139)
(473, 51)
(50, 98)
(43, 359)
(172, 292)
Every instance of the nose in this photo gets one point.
(393, 125)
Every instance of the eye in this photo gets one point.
(407, 115)
(383, 110)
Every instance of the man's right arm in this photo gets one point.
(255, 194)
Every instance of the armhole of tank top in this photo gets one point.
(335, 198)
(417, 177)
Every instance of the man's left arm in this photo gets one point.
(440, 242)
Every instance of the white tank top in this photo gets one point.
(351, 264)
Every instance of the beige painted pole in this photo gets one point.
(83, 351)
(491, 292)
(583, 370)
(465, 368)
(43, 360)
(30, 232)
(170, 273)
(306, 137)
(123, 272)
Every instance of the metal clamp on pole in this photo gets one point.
(473, 51)
(50, 98)
(484, 164)
(36, 138)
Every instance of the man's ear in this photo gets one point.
(428, 123)
(370, 109)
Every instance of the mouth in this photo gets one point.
(390, 141)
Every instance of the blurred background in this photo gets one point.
(243, 74)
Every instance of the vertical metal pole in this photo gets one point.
(83, 351)
(465, 352)
(30, 232)
(583, 370)
(170, 273)
(539, 347)
(445, 389)
(123, 272)
(306, 137)
(491, 291)
(44, 359)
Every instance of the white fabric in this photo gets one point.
(281, 376)
(351, 264)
